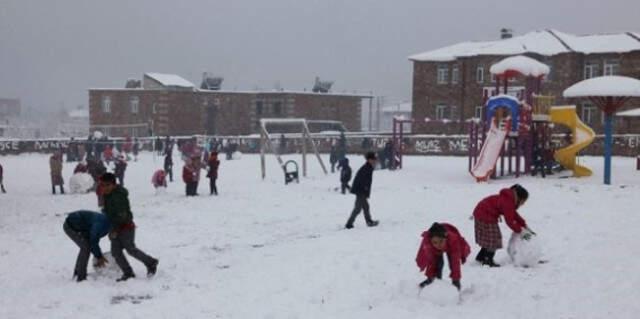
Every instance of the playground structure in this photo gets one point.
(266, 143)
(397, 138)
(514, 133)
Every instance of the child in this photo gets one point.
(442, 238)
(486, 216)
(345, 174)
(213, 164)
(159, 179)
(121, 167)
(55, 166)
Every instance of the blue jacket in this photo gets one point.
(92, 225)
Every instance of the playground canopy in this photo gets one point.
(608, 93)
(520, 64)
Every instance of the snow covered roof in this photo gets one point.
(543, 42)
(612, 85)
(170, 80)
(630, 113)
(522, 64)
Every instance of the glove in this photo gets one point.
(526, 234)
(425, 283)
(456, 283)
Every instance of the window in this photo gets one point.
(154, 108)
(480, 74)
(611, 67)
(259, 107)
(588, 113)
(455, 75)
(134, 103)
(478, 113)
(453, 112)
(443, 74)
(591, 70)
(106, 104)
(277, 108)
(441, 110)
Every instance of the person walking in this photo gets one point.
(168, 165)
(345, 175)
(1, 177)
(86, 228)
(212, 173)
(362, 189)
(121, 167)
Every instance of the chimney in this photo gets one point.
(506, 33)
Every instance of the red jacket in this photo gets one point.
(213, 166)
(456, 247)
(189, 174)
(489, 210)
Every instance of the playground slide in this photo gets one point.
(490, 152)
(583, 135)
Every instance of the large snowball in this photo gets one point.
(524, 253)
(80, 183)
(440, 293)
(236, 155)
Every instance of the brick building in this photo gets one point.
(448, 83)
(166, 104)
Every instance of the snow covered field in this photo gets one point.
(265, 250)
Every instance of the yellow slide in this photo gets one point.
(582, 136)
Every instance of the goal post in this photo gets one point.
(266, 144)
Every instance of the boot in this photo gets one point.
(125, 277)
(2, 188)
(373, 223)
(488, 260)
(53, 190)
(152, 268)
(61, 189)
(481, 255)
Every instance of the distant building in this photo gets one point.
(167, 104)
(449, 83)
(399, 110)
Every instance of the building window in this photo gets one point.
(591, 70)
(611, 67)
(259, 107)
(480, 74)
(154, 108)
(106, 104)
(277, 108)
(588, 113)
(134, 103)
(478, 113)
(443, 74)
(455, 75)
(441, 111)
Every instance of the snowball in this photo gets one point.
(80, 183)
(524, 253)
(111, 269)
(97, 134)
(440, 293)
(236, 155)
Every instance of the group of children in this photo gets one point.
(444, 238)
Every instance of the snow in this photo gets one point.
(542, 42)
(611, 85)
(265, 250)
(400, 107)
(630, 113)
(522, 64)
(80, 183)
(170, 80)
(524, 253)
(79, 113)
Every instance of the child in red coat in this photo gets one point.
(439, 239)
(487, 214)
(212, 174)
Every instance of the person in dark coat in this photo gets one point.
(345, 174)
(333, 158)
(213, 163)
(86, 228)
(487, 214)
(168, 165)
(442, 238)
(362, 189)
(136, 149)
(121, 167)
(55, 165)
(1, 178)
(118, 211)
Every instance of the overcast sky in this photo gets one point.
(52, 51)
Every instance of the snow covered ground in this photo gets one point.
(265, 250)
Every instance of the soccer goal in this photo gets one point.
(301, 129)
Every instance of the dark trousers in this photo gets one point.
(439, 265)
(120, 179)
(333, 167)
(2, 187)
(125, 241)
(361, 204)
(192, 188)
(169, 171)
(345, 186)
(53, 189)
(82, 240)
(212, 186)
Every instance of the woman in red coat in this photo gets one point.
(487, 214)
(439, 239)
(213, 164)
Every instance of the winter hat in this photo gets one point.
(437, 230)
(522, 193)
(371, 155)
